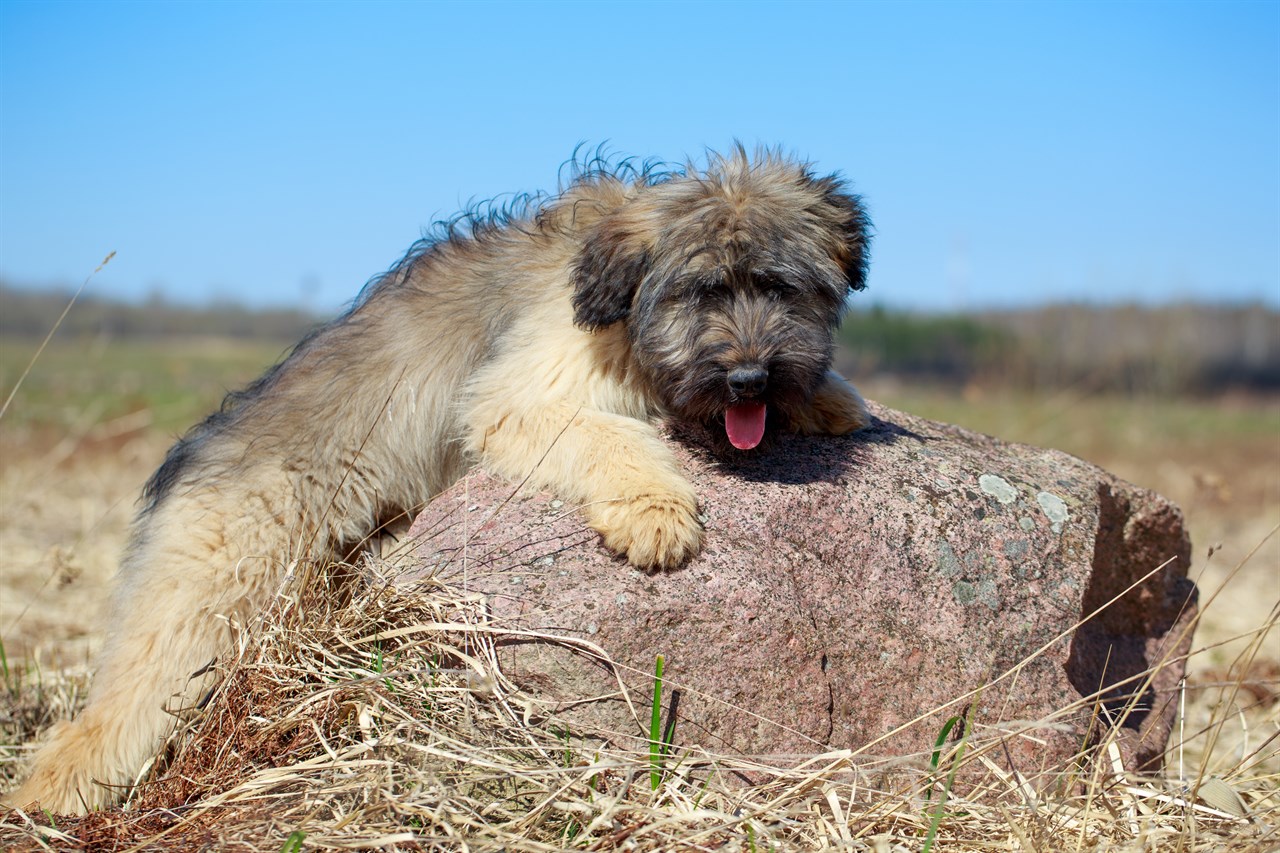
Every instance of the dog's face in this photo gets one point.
(731, 284)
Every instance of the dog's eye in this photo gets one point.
(774, 285)
(711, 286)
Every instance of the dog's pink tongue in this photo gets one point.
(745, 424)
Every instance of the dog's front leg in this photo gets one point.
(837, 409)
(627, 481)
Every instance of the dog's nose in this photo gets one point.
(749, 380)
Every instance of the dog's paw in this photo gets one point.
(653, 531)
(62, 781)
(837, 409)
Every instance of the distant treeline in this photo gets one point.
(28, 313)
(1168, 349)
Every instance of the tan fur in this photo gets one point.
(498, 348)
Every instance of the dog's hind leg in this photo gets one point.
(199, 563)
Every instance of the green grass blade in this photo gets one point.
(656, 748)
(941, 741)
(935, 820)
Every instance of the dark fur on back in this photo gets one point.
(180, 456)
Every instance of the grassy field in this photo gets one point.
(94, 417)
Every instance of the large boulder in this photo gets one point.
(852, 593)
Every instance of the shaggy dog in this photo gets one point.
(541, 343)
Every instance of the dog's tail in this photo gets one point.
(200, 564)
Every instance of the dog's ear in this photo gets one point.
(850, 221)
(606, 275)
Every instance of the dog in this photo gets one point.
(542, 341)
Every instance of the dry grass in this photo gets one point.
(374, 715)
(370, 715)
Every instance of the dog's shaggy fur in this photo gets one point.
(541, 343)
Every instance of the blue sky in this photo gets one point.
(282, 153)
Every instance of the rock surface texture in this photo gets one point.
(849, 589)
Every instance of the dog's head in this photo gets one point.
(731, 283)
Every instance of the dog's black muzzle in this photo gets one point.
(748, 381)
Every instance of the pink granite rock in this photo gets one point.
(849, 588)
